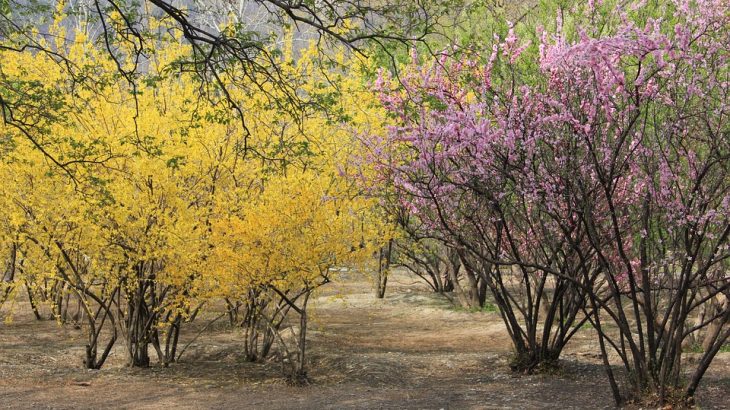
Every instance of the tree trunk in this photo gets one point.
(137, 333)
(452, 270)
(718, 304)
(9, 274)
(300, 374)
(384, 259)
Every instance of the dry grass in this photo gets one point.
(410, 350)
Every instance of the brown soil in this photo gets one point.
(410, 350)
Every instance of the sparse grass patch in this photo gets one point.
(487, 308)
(697, 348)
(694, 348)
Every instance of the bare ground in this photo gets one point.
(411, 350)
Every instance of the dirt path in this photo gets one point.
(410, 350)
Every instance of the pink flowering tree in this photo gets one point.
(645, 109)
(591, 186)
(460, 169)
